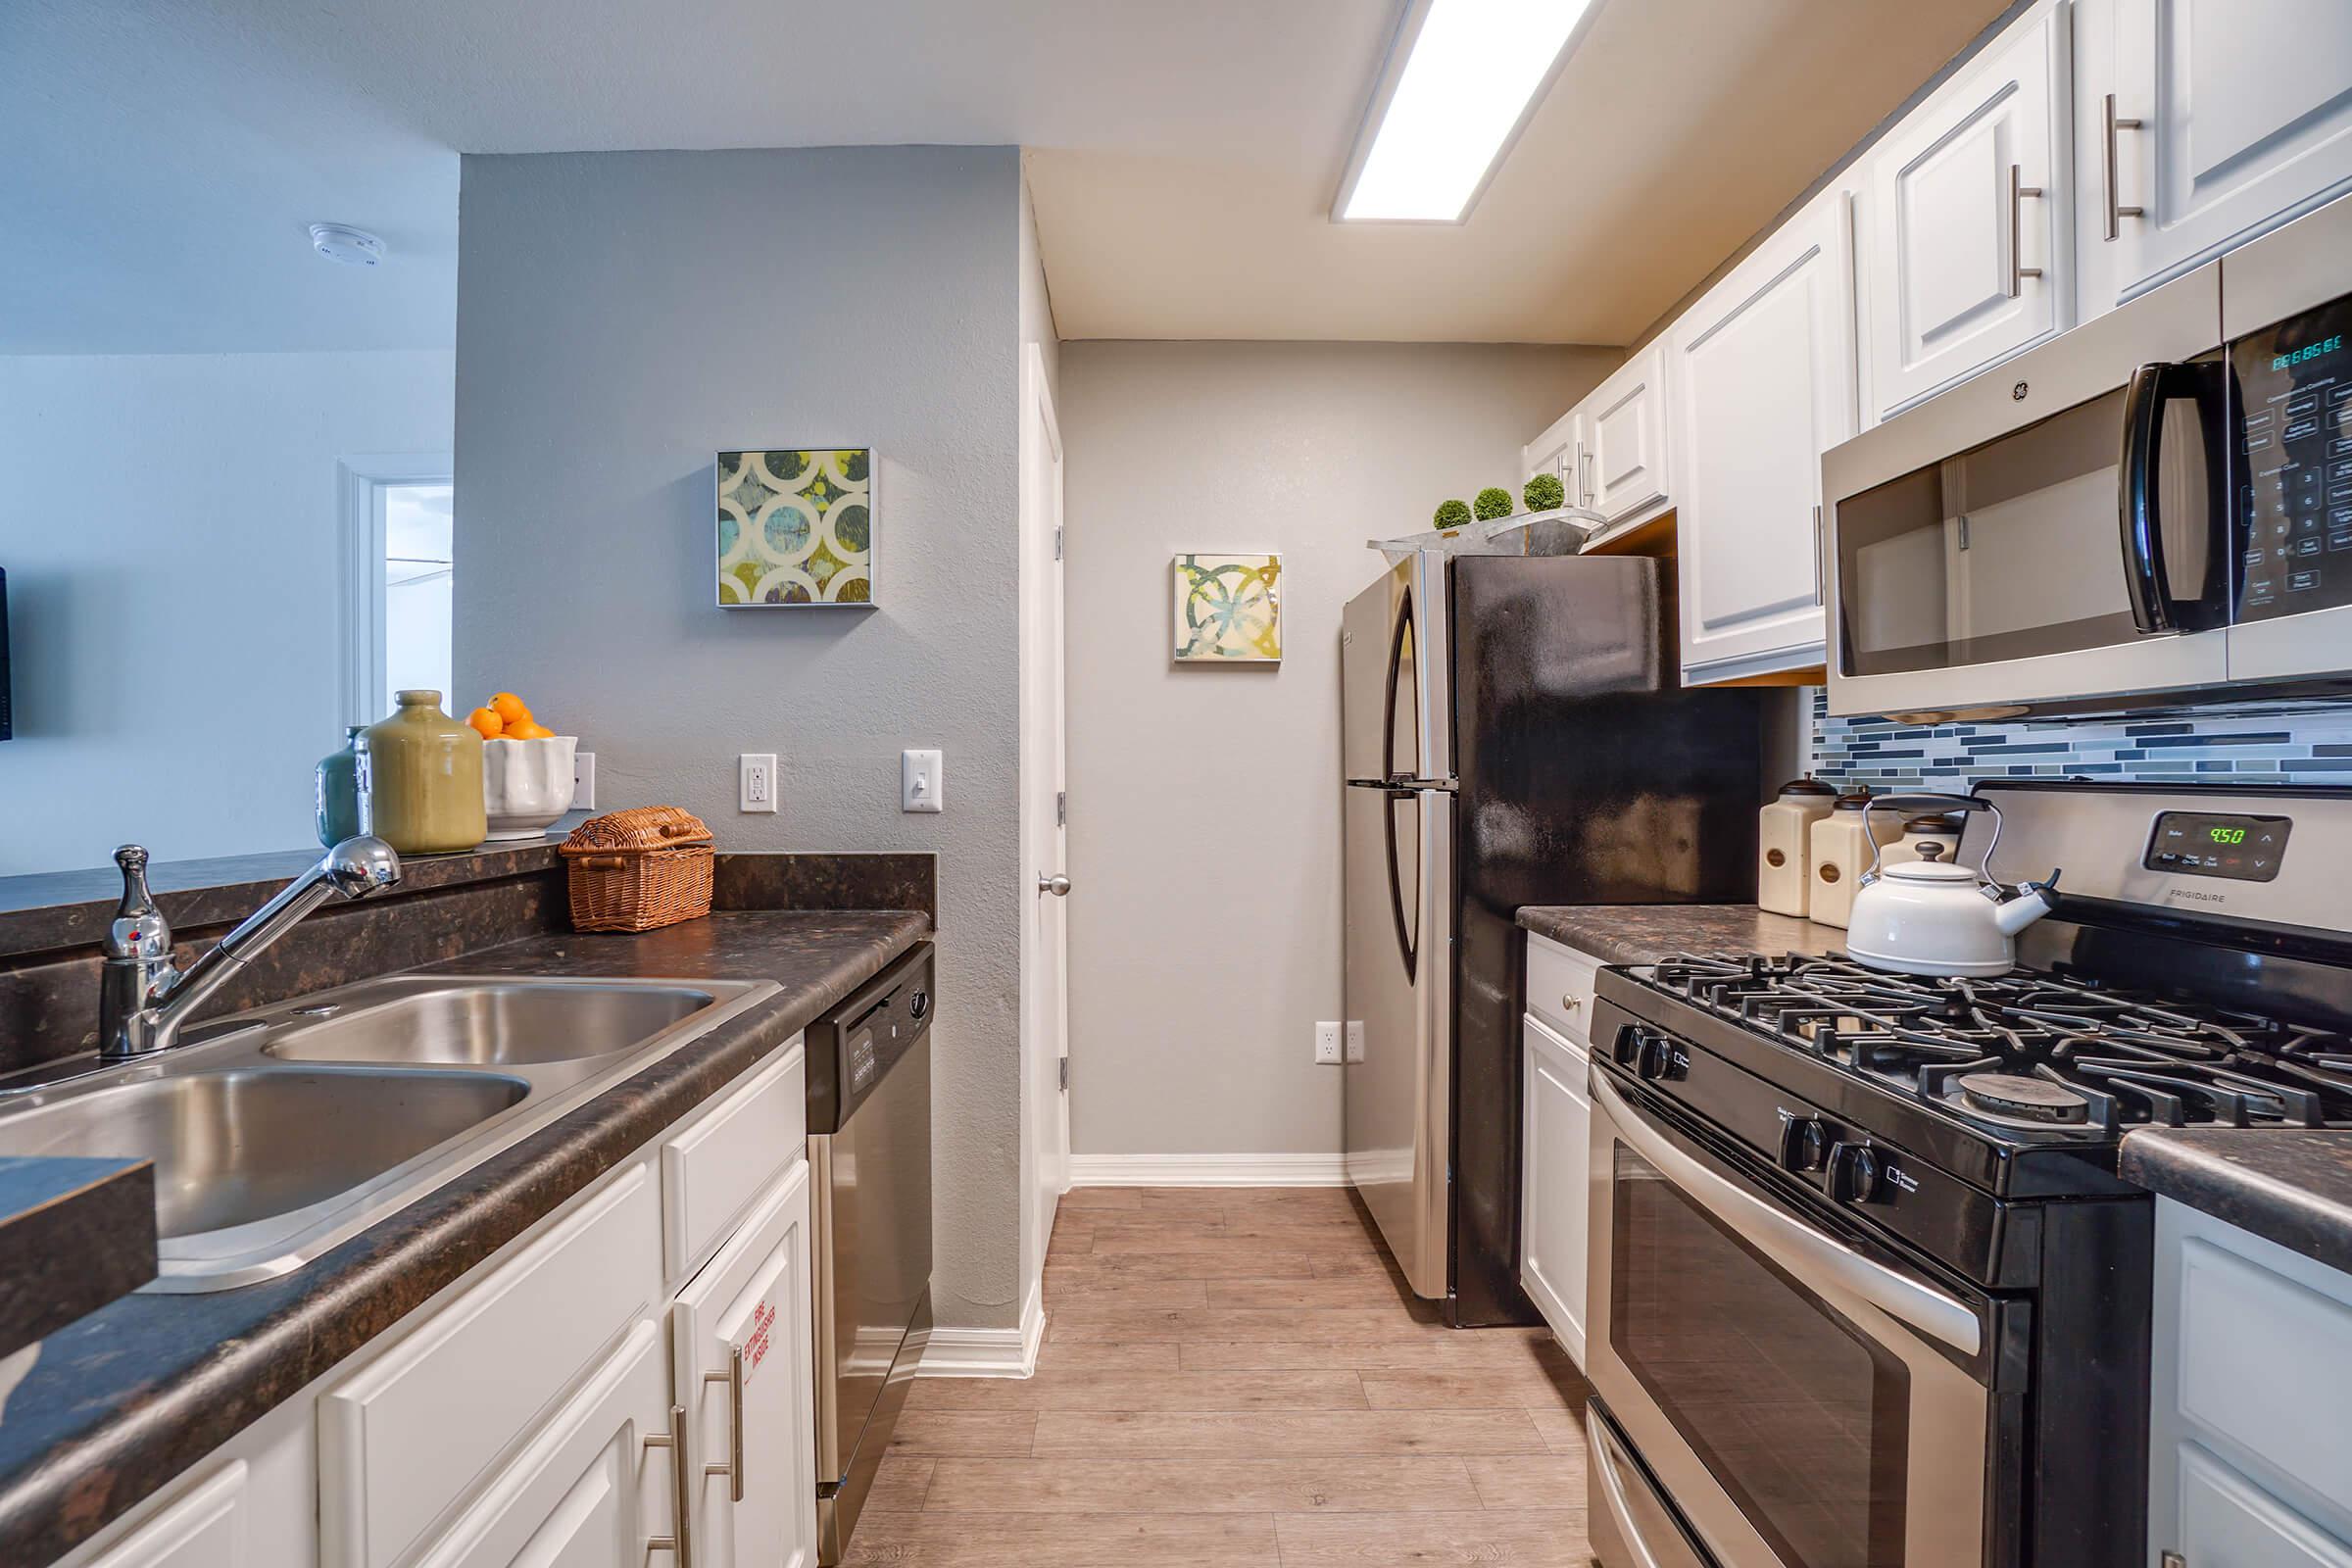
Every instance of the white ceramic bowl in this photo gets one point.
(526, 784)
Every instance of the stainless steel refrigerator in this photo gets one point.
(1512, 733)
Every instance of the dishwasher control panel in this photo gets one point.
(854, 1045)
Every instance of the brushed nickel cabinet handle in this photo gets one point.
(2116, 212)
(1570, 1002)
(681, 1499)
(732, 1378)
(2018, 271)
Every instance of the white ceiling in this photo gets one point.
(163, 158)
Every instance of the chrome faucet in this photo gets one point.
(142, 999)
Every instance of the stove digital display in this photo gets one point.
(2243, 849)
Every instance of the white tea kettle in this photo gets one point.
(1931, 917)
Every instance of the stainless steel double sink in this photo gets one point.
(278, 1133)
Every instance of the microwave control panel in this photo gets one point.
(2293, 384)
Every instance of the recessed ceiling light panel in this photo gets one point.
(340, 242)
(1461, 80)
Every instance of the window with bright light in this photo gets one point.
(419, 561)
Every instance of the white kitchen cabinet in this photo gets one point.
(1558, 450)
(1965, 249)
(2250, 1451)
(741, 1360)
(1554, 1144)
(2244, 116)
(1762, 383)
(207, 1528)
(1625, 436)
(588, 1490)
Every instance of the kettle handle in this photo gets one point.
(1930, 802)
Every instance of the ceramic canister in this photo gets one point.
(1781, 831)
(343, 790)
(425, 772)
(1930, 827)
(1838, 852)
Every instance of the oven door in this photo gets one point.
(1805, 1398)
(2054, 532)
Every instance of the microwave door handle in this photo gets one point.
(1792, 1244)
(2146, 573)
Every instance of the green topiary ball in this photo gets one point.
(1453, 513)
(1544, 491)
(1491, 503)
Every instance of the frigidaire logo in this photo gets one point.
(2196, 894)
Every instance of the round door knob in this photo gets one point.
(1056, 883)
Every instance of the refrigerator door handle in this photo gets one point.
(1396, 914)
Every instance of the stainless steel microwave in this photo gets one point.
(2152, 511)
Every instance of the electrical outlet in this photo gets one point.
(1355, 1040)
(583, 780)
(756, 782)
(1327, 1045)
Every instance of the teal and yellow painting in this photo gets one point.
(1227, 610)
(796, 527)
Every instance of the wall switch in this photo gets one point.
(1327, 1045)
(919, 782)
(583, 780)
(755, 781)
(1355, 1040)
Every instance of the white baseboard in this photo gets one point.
(1207, 1170)
(989, 1353)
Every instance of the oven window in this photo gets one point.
(2012, 550)
(1795, 1414)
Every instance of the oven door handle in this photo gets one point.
(1795, 1246)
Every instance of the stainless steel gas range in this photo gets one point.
(1866, 1290)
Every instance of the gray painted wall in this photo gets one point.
(622, 317)
(172, 536)
(1204, 826)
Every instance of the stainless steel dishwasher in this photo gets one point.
(869, 1157)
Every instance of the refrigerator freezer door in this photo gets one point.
(1399, 854)
(1395, 718)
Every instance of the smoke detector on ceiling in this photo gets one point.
(340, 242)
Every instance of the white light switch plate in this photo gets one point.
(755, 781)
(583, 780)
(919, 781)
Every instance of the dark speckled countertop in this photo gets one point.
(1645, 933)
(2287, 1185)
(128, 1396)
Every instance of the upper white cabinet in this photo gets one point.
(2227, 119)
(1762, 372)
(1624, 439)
(1557, 450)
(1965, 246)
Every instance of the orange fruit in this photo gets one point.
(511, 709)
(488, 723)
(528, 730)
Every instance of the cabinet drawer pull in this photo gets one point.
(2018, 271)
(681, 1499)
(2116, 212)
(732, 1377)
(1570, 1002)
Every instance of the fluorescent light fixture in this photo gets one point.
(1461, 79)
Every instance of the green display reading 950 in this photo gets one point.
(2242, 849)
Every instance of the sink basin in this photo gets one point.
(249, 1142)
(487, 1023)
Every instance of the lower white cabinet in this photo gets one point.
(204, 1528)
(1555, 1136)
(2250, 1451)
(742, 1365)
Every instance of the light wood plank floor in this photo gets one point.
(1238, 1379)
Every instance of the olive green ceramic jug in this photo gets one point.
(424, 769)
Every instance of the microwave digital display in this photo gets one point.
(2293, 386)
(2242, 849)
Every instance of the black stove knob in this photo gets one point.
(1857, 1175)
(1626, 1049)
(1656, 1059)
(1804, 1144)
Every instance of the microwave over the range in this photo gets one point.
(2151, 511)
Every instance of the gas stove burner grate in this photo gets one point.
(2029, 1050)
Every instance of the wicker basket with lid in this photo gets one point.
(638, 869)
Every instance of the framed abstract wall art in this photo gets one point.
(796, 528)
(1227, 610)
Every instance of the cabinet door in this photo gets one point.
(2228, 1522)
(205, 1529)
(1964, 252)
(1624, 439)
(2245, 113)
(742, 1350)
(1554, 1144)
(1763, 383)
(1557, 450)
(587, 1490)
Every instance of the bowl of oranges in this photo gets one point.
(526, 768)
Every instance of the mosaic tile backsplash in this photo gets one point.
(2313, 747)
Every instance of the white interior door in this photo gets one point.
(1044, 815)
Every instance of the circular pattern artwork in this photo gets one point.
(1228, 609)
(796, 527)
